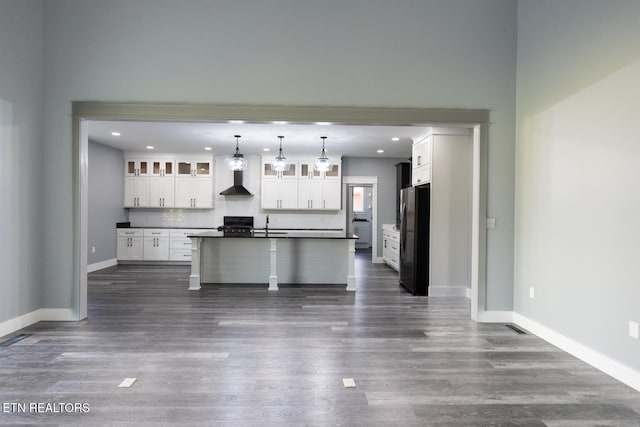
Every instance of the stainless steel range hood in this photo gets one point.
(237, 189)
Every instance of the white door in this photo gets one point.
(161, 193)
(270, 197)
(332, 195)
(288, 194)
(202, 193)
(184, 192)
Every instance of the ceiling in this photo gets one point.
(256, 138)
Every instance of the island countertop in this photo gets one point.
(261, 234)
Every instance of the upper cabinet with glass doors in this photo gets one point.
(162, 168)
(163, 180)
(194, 167)
(137, 167)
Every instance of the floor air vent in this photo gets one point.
(517, 330)
(7, 343)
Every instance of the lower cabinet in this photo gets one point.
(180, 244)
(391, 246)
(156, 244)
(130, 244)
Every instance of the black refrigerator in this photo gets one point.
(415, 203)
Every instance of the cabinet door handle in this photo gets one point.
(324, 204)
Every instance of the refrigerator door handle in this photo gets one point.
(403, 227)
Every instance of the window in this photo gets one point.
(358, 199)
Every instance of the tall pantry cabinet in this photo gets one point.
(444, 158)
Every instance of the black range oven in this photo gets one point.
(237, 226)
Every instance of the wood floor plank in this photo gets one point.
(242, 355)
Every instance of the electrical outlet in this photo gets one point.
(633, 329)
(491, 223)
(532, 292)
(93, 249)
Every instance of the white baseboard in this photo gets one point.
(495, 316)
(604, 363)
(44, 314)
(102, 264)
(467, 293)
(377, 260)
(447, 291)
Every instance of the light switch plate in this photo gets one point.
(532, 292)
(491, 223)
(633, 329)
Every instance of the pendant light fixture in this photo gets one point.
(280, 163)
(237, 162)
(323, 164)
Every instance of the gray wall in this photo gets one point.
(21, 95)
(385, 170)
(578, 181)
(449, 54)
(451, 197)
(106, 186)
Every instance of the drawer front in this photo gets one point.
(180, 255)
(182, 233)
(130, 232)
(156, 232)
(394, 236)
(180, 244)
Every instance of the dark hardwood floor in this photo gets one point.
(241, 355)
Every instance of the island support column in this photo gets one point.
(273, 274)
(351, 254)
(194, 278)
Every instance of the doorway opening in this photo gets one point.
(476, 119)
(360, 215)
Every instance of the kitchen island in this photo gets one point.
(274, 257)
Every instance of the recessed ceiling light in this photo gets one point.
(115, 133)
(266, 149)
(323, 123)
(380, 151)
(395, 138)
(236, 122)
(280, 122)
(208, 148)
(150, 147)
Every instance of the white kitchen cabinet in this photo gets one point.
(137, 167)
(279, 193)
(194, 167)
(279, 189)
(421, 160)
(319, 190)
(162, 167)
(180, 244)
(161, 182)
(136, 192)
(129, 244)
(332, 193)
(310, 194)
(391, 246)
(162, 192)
(194, 193)
(156, 244)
